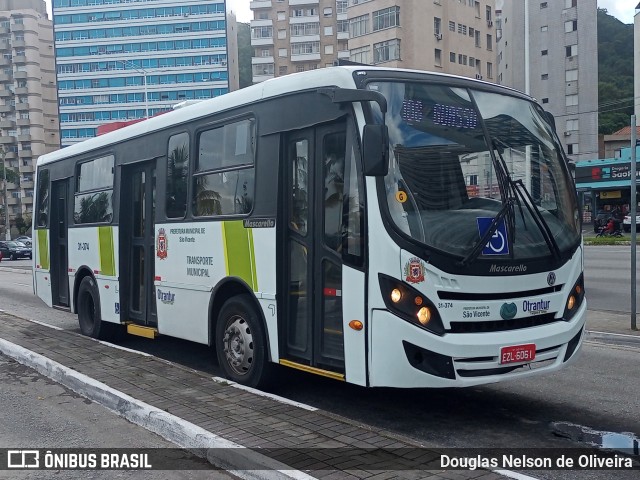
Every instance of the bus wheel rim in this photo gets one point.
(238, 345)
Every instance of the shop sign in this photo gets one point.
(610, 195)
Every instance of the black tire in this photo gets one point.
(241, 344)
(89, 316)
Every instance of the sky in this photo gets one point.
(623, 10)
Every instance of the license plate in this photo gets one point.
(517, 353)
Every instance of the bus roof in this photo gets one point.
(341, 76)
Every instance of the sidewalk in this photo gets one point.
(611, 323)
(195, 411)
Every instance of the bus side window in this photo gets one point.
(43, 199)
(353, 212)
(177, 172)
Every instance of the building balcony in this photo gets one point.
(5, 45)
(20, 59)
(6, 109)
(261, 60)
(260, 4)
(10, 155)
(24, 138)
(258, 42)
(22, 91)
(4, 78)
(27, 200)
(23, 122)
(18, 43)
(11, 200)
(7, 123)
(309, 19)
(343, 54)
(343, 35)
(20, 74)
(306, 57)
(22, 107)
(5, 93)
(25, 154)
(4, 31)
(262, 78)
(18, 27)
(263, 22)
(27, 168)
(305, 38)
(7, 140)
(4, 62)
(303, 2)
(26, 183)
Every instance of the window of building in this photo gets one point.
(544, 52)
(462, 29)
(489, 42)
(282, 52)
(572, 149)
(544, 76)
(488, 13)
(452, 26)
(305, 48)
(437, 25)
(386, 18)
(543, 5)
(571, 100)
(570, 26)
(282, 16)
(282, 70)
(359, 26)
(544, 28)
(571, 50)
(360, 55)
(452, 57)
(572, 125)
(262, 32)
(328, 12)
(282, 34)
(477, 38)
(489, 70)
(305, 29)
(570, 3)
(328, 31)
(341, 6)
(386, 51)
(545, 100)
(328, 49)
(571, 75)
(438, 57)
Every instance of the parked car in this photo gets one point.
(23, 239)
(14, 250)
(626, 223)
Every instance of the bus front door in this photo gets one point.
(137, 229)
(312, 332)
(59, 244)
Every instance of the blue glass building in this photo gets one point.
(120, 60)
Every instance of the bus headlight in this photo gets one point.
(575, 299)
(411, 305)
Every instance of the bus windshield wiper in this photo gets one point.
(520, 190)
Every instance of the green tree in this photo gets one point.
(615, 71)
(23, 224)
(12, 175)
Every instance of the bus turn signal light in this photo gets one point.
(356, 325)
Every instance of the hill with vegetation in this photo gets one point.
(615, 72)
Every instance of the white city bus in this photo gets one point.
(377, 226)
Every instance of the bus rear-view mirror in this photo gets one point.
(376, 150)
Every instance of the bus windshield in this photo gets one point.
(459, 155)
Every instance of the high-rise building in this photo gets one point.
(121, 60)
(550, 51)
(28, 106)
(449, 36)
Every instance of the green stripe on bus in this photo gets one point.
(105, 247)
(239, 253)
(43, 249)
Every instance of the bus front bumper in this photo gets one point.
(405, 356)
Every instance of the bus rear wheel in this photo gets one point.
(241, 344)
(89, 316)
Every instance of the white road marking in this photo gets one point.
(265, 394)
(516, 475)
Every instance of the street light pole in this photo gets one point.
(144, 83)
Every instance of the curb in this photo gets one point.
(230, 456)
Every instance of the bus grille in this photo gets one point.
(503, 325)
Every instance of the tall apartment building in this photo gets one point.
(562, 67)
(450, 36)
(28, 106)
(120, 60)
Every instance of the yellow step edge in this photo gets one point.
(314, 370)
(140, 331)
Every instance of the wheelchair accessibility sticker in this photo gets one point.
(498, 243)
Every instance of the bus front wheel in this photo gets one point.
(89, 316)
(241, 343)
